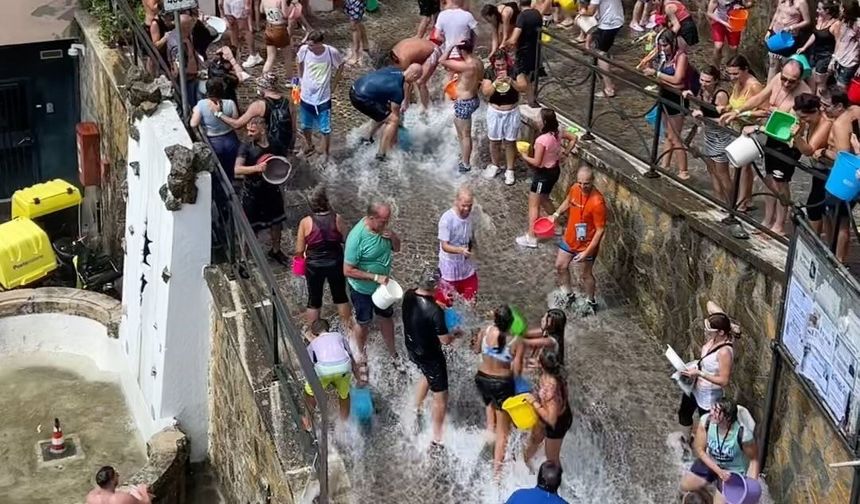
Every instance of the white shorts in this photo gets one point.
(503, 124)
(235, 9)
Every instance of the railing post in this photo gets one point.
(539, 54)
(589, 118)
(655, 143)
(277, 356)
(737, 229)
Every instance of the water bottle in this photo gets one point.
(296, 92)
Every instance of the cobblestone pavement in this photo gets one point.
(617, 450)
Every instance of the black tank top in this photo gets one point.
(712, 110)
(324, 242)
(825, 42)
(514, 7)
(509, 97)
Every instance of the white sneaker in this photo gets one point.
(252, 61)
(491, 171)
(636, 27)
(244, 76)
(527, 241)
(509, 177)
(650, 24)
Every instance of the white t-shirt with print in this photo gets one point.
(610, 14)
(455, 25)
(317, 72)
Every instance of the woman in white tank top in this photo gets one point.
(713, 369)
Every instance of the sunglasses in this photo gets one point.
(787, 80)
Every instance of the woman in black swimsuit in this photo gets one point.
(553, 408)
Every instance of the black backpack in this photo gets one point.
(280, 122)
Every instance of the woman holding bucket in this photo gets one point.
(548, 154)
(822, 43)
(501, 359)
(552, 407)
(548, 337)
(791, 16)
(319, 244)
(725, 444)
(722, 32)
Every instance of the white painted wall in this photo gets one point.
(164, 331)
(58, 333)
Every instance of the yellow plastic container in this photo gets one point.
(546, 39)
(45, 198)
(568, 5)
(25, 253)
(523, 147)
(522, 413)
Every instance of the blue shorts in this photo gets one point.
(364, 308)
(315, 117)
(562, 245)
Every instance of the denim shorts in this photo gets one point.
(364, 308)
(315, 117)
(562, 245)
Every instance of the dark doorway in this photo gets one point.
(18, 163)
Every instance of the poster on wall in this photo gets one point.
(821, 330)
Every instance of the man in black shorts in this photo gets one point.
(610, 19)
(426, 331)
(525, 39)
(427, 9)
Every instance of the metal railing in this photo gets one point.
(235, 241)
(569, 85)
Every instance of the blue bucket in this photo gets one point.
(521, 385)
(404, 139)
(361, 404)
(781, 43)
(842, 181)
(453, 319)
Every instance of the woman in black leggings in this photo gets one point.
(320, 241)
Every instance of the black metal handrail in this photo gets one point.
(238, 242)
(555, 43)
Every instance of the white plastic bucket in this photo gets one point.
(743, 151)
(388, 294)
(586, 23)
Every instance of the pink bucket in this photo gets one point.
(299, 266)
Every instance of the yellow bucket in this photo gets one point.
(546, 39)
(522, 413)
(523, 147)
(568, 5)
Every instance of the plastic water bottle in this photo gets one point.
(296, 92)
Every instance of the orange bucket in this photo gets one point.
(451, 89)
(738, 19)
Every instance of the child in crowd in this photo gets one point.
(333, 363)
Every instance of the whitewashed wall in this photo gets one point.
(165, 325)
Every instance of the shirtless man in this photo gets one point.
(471, 70)
(424, 52)
(107, 480)
(779, 94)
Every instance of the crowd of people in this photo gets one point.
(355, 261)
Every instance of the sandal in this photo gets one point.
(684, 175)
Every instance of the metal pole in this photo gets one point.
(277, 356)
(539, 54)
(737, 229)
(590, 115)
(183, 91)
(655, 144)
(837, 219)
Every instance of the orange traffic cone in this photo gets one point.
(58, 443)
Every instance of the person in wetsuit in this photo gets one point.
(425, 333)
(380, 95)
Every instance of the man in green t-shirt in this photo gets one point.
(366, 265)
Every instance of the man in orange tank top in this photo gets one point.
(581, 241)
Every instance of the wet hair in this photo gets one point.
(807, 102)
(838, 96)
(831, 8)
(728, 408)
(316, 36)
(712, 71)
(525, 3)
(105, 476)
(503, 318)
(467, 45)
(491, 13)
(215, 88)
(429, 278)
(549, 477)
(668, 37)
(373, 208)
(550, 122)
(258, 121)
(739, 61)
(551, 363)
(319, 200)
(320, 326)
(556, 320)
(851, 12)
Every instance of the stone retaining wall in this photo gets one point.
(92, 305)
(666, 247)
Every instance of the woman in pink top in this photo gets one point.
(791, 16)
(545, 170)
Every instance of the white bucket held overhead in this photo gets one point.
(743, 151)
(586, 23)
(388, 294)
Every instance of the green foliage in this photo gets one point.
(113, 27)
